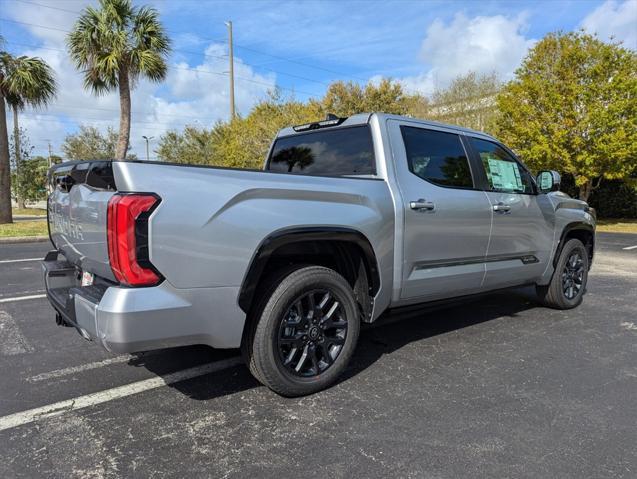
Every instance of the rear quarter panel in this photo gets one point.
(211, 221)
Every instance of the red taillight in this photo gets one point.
(128, 238)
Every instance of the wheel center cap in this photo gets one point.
(314, 333)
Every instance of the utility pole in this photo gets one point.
(50, 161)
(231, 58)
(147, 138)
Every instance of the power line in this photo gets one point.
(203, 54)
(223, 40)
(48, 6)
(110, 122)
(198, 70)
(62, 119)
(300, 63)
(105, 123)
(62, 106)
(260, 52)
(34, 25)
(250, 80)
(249, 48)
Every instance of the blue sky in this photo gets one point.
(299, 46)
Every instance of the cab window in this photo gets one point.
(337, 152)
(504, 173)
(437, 157)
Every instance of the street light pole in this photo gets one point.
(147, 138)
(231, 59)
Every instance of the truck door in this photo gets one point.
(447, 219)
(523, 221)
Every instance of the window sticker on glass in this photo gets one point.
(504, 175)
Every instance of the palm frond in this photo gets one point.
(29, 81)
(14, 100)
(149, 33)
(149, 64)
(115, 38)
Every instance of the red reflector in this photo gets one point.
(123, 213)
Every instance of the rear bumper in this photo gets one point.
(137, 319)
(76, 306)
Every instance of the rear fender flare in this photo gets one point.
(298, 235)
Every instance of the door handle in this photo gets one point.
(421, 204)
(501, 208)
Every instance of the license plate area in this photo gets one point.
(87, 279)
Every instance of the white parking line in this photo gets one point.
(19, 260)
(13, 341)
(22, 298)
(86, 367)
(81, 402)
(630, 247)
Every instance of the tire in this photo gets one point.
(285, 330)
(568, 284)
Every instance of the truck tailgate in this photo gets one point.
(77, 213)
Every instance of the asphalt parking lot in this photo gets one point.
(495, 387)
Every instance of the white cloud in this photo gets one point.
(614, 20)
(191, 94)
(483, 44)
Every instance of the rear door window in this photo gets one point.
(338, 152)
(504, 173)
(437, 157)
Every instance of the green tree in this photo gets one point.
(114, 45)
(32, 178)
(25, 81)
(91, 144)
(468, 101)
(19, 161)
(572, 107)
(5, 166)
(244, 141)
(29, 174)
(193, 146)
(346, 99)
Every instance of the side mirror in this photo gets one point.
(548, 181)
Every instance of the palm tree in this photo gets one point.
(5, 166)
(24, 81)
(114, 45)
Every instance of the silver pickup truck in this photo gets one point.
(350, 217)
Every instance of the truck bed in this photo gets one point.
(198, 235)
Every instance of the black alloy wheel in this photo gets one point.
(573, 275)
(312, 333)
(302, 331)
(568, 282)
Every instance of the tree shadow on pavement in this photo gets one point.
(388, 334)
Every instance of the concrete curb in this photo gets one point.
(23, 239)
